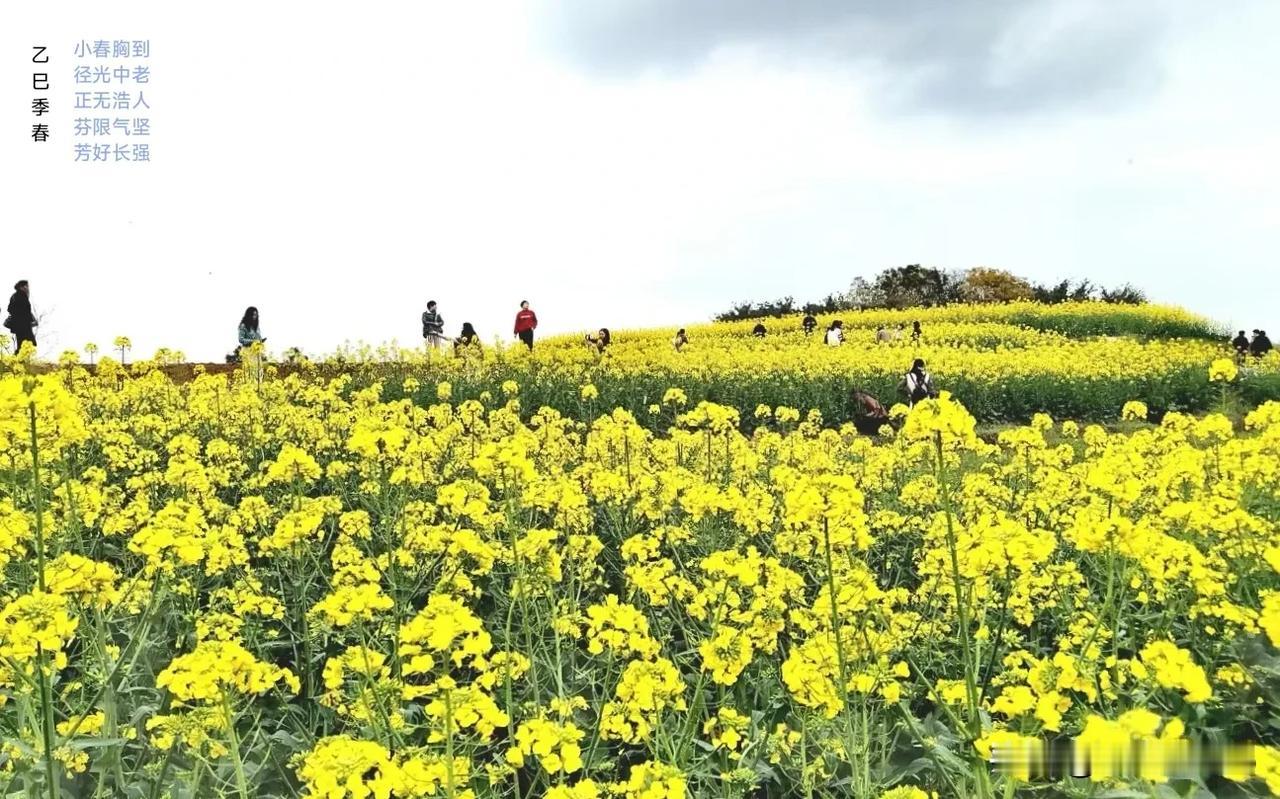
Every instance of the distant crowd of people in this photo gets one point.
(869, 414)
(433, 331)
(834, 334)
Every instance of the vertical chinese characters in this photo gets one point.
(40, 102)
(112, 110)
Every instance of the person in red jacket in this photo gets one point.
(526, 321)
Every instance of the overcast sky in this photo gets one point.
(635, 162)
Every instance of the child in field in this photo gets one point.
(680, 340)
(758, 331)
(809, 324)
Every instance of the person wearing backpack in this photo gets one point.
(21, 321)
(433, 327)
(916, 384)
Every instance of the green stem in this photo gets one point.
(448, 741)
(46, 712)
(46, 690)
(242, 785)
(969, 662)
(835, 632)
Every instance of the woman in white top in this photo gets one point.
(835, 333)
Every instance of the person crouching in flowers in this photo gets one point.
(868, 414)
(680, 340)
(467, 338)
(600, 340)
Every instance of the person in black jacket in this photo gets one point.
(433, 327)
(20, 320)
(1260, 345)
(1241, 343)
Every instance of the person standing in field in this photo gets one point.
(433, 327)
(915, 332)
(526, 323)
(835, 334)
(680, 340)
(1260, 345)
(249, 332)
(809, 324)
(21, 321)
(1241, 344)
(248, 335)
(917, 384)
(883, 336)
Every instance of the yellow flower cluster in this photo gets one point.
(216, 670)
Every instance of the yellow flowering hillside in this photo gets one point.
(265, 586)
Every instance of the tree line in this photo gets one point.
(916, 286)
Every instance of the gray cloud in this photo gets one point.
(978, 57)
